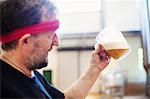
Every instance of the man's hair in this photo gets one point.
(16, 14)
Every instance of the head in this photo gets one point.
(16, 14)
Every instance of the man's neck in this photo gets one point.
(15, 61)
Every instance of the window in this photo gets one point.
(79, 16)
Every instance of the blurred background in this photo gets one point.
(80, 22)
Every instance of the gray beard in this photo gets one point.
(35, 62)
(38, 66)
(32, 65)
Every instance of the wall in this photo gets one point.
(124, 13)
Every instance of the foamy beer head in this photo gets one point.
(113, 42)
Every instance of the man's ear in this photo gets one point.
(24, 41)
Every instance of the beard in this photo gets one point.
(38, 58)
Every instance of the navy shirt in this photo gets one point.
(15, 84)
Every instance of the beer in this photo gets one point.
(116, 49)
(117, 53)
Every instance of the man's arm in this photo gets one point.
(80, 89)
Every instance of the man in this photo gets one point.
(27, 35)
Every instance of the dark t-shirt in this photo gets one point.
(15, 84)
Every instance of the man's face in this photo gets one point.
(41, 45)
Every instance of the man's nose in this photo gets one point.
(55, 40)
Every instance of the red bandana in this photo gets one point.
(49, 26)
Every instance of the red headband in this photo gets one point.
(33, 29)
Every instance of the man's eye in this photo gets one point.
(49, 36)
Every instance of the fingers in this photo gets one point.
(98, 48)
(104, 56)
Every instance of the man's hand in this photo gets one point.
(100, 58)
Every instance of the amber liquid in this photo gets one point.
(117, 53)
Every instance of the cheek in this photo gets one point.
(37, 55)
(45, 43)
